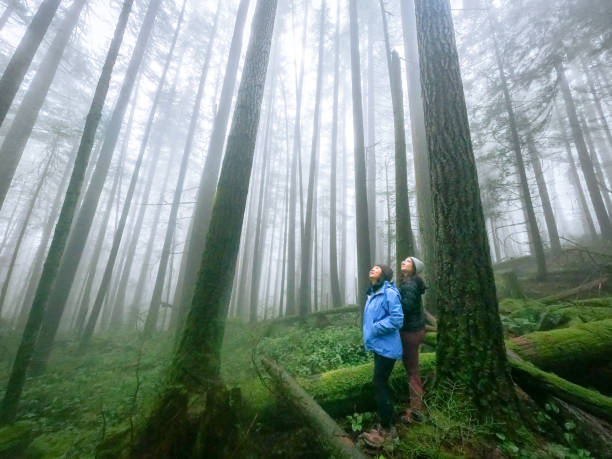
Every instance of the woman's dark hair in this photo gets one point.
(387, 273)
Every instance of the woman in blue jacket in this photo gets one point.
(382, 319)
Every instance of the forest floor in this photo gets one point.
(81, 400)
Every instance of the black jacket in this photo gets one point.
(411, 291)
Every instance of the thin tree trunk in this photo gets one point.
(594, 154)
(307, 241)
(419, 144)
(371, 145)
(7, 13)
(537, 247)
(22, 57)
(82, 225)
(8, 409)
(361, 197)
(199, 349)
(549, 216)
(333, 250)
(23, 229)
(470, 349)
(108, 271)
(583, 155)
(210, 174)
(22, 125)
(151, 321)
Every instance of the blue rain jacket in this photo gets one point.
(382, 319)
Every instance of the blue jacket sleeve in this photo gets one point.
(395, 317)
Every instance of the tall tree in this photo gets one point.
(152, 316)
(583, 155)
(22, 57)
(333, 249)
(21, 127)
(404, 245)
(8, 408)
(371, 138)
(532, 224)
(210, 174)
(305, 293)
(108, 271)
(87, 211)
(470, 347)
(199, 349)
(361, 197)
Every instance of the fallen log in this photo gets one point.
(569, 316)
(594, 285)
(304, 405)
(566, 350)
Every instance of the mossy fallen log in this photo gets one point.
(569, 316)
(331, 433)
(568, 349)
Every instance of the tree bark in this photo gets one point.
(198, 351)
(470, 342)
(22, 125)
(370, 150)
(22, 57)
(82, 225)
(210, 174)
(583, 155)
(8, 409)
(361, 197)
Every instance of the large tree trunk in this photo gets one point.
(470, 343)
(21, 127)
(82, 224)
(22, 57)
(333, 250)
(361, 196)
(198, 351)
(305, 294)
(8, 409)
(110, 265)
(210, 174)
(583, 155)
(370, 151)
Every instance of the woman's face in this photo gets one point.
(407, 267)
(375, 274)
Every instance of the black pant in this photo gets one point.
(383, 367)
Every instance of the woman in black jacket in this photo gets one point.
(412, 333)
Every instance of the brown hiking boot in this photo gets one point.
(376, 438)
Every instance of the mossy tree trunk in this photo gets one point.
(194, 371)
(8, 409)
(470, 349)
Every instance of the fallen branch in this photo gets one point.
(303, 404)
(596, 284)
